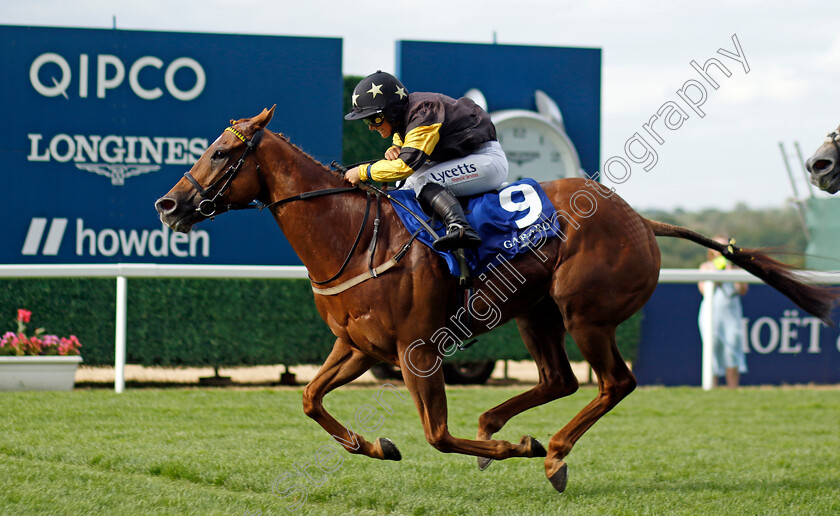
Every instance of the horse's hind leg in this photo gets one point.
(615, 381)
(543, 332)
(344, 364)
(424, 379)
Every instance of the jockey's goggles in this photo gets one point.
(374, 120)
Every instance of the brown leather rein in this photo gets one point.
(209, 207)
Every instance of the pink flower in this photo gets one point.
(13, 344)
(18, 343)
(69, 346)
(35, 346)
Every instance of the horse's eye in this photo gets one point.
(219, 154)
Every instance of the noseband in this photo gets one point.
(207, 206)
(833, 137)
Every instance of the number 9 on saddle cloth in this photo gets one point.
(509, 222)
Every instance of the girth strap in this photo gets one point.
(352, 282)
(369, 274)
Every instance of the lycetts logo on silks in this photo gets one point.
(456, 174)
(116, 157)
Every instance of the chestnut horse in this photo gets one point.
(602, 268)
(824, 165)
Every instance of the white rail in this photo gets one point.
(152, 270)
(122, 271)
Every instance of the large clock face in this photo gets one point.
(535, 148)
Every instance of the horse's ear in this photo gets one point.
(262, 120)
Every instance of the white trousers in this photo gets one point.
(483, 170)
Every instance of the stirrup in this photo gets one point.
(457, 237)
(456, 227)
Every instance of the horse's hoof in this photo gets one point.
(559, 477)
(389, 449)
(536, 447)
(484, 463)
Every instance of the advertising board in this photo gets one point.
(783, 344)
(508, 76)
(100, 123)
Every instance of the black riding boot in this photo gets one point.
(459, 233)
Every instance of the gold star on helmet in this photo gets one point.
(355, 97)
(375, 89)
(401, 92)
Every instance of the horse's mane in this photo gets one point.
(302, 152)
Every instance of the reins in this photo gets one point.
(341, 168)
(208, 207)
(355, 243)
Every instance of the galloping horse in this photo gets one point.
(599, 271)
(824, 165)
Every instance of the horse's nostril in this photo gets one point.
(822, 165)
(165, 205)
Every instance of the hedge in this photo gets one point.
(214, 322)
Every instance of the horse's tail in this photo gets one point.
(816, 300)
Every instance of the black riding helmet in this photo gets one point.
(377, 93)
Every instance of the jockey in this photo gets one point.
(442, 147)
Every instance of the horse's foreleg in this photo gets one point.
(615, 381)
(424, 379)
(543, 332)
(344, 364)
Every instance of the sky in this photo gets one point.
(730, 155)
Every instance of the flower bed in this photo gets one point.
(37, 361)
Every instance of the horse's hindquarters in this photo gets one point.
(609, 260)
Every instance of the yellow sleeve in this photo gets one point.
(386, 171)
(423, 138)
(364, 173)
(419, 144)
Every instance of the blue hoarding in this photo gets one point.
(508, 76)
(784, 345)
(100, 123)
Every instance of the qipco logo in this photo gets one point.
(57, 76)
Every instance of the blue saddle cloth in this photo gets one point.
(508, 221)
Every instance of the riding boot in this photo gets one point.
(459, 233)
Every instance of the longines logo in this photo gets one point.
(116, 157)
(117, 173)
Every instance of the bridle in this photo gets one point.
(834, 137)
(207, 206)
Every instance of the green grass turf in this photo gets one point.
(215, 451)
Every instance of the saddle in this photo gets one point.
(509, 221)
